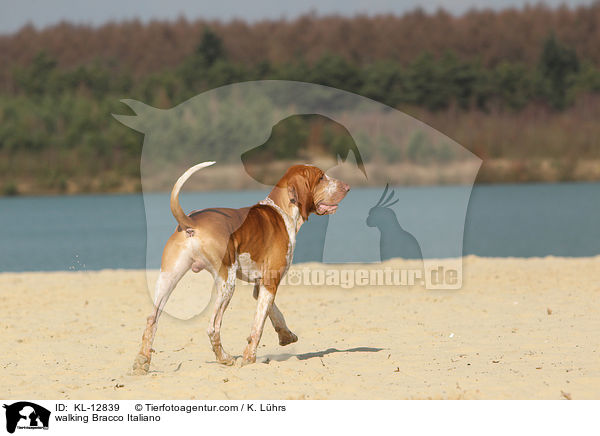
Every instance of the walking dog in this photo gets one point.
(255, 244)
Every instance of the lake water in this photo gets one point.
(91, 232)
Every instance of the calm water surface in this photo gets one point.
(90, 232)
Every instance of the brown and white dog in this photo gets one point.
(254, 244)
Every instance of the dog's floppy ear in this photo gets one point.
(300, 194)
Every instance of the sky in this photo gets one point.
(42, 13)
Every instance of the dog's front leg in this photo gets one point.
(286, 336)
(265, 303)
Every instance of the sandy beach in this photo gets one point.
(518, 329)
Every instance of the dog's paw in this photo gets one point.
(248, 358)
(226, 360)
(141, 365)
(287, 337)
(248, 361)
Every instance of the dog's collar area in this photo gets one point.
(291, 225)
(290, 222)
(269, 202)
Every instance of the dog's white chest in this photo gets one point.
(290, 226)
(290, 253)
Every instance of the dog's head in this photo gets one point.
(312, 191)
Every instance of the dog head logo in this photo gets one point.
(256, 130)
(26, 415)
(315, 134)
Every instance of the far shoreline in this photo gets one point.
(493, 172)
(358, 265)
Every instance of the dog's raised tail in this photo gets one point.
(185, 222)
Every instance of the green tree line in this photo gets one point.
(61, 115)
(428, 81)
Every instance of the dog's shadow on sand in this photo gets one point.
(305, 356)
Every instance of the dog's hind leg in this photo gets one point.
(224, 288)
(285, 334)
(167, 280)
